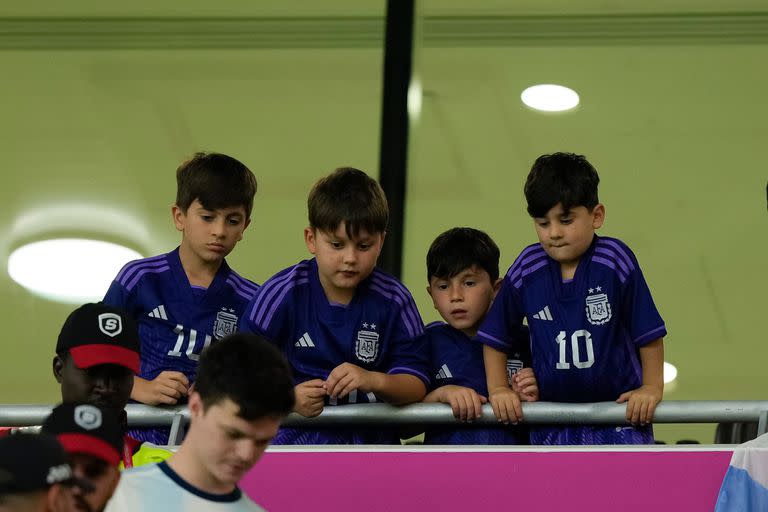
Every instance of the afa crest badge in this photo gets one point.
(598, 309)
(225, 324)
(367, 343)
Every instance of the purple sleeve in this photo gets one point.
(641, 317)
(408, 348)
(501, 327)
(265, 317)
(116, 296)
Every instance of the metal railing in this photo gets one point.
(421, 414)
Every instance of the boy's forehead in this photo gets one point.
(559, 211)
(227, 210)
(341, 233)
(473, 270)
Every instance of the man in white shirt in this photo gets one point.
(243, 391)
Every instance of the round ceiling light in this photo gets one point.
(670, 372)
(70, 270)
(550, 98)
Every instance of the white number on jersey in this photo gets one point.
(176, 352)
(562, 364)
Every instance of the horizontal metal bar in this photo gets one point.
(671, 411)
(537, 413)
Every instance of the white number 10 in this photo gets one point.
(562, 364)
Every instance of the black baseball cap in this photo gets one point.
(88, 429)
(34, 462)
(96, 334)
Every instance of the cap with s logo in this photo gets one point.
(89, 429)
(96, 334)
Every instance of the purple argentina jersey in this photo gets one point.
(585, 333)
(177, 321)
(456, 359)
(378, 330)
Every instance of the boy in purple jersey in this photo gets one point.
(185, 299)
(463, 276)
(349, 331)
(595, 332)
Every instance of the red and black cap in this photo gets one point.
(88, 429)
(96, 334)
(33, 462)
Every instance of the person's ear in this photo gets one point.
(57, 366)
(598, 216)
(497, 286)
(429, 292)
(179, 217)
(116, 480)
(245, 226)
(56, 498)
(195, 405)
(310, 239)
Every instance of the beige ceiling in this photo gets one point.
(96, 117)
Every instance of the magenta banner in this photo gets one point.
(401, 481)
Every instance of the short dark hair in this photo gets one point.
(564, 178)
(217, 181)
(248, 370)
(461, 248)
(348, 195)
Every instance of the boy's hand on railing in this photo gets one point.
(641, 403)
(506, 405)
(347, 377)
(525, 385)
(166, 388)
(310, 398)
(466, 403)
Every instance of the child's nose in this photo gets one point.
(350, 255)
(555, 231)
(217, 227)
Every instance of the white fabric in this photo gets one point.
(148, 488)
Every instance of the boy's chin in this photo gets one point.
(464, 327)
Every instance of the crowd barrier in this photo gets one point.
(421, 414)
(418, 478)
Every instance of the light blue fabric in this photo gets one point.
(745, 486)
(740, 493)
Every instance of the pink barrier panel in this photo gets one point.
(530, 481)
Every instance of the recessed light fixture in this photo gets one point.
(550, 98)
(72, 270)
(670, 372)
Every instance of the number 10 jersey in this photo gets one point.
(586, 332)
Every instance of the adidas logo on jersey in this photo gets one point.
(158, 312)
(444, 373)
(305, 341)
(544, 314)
